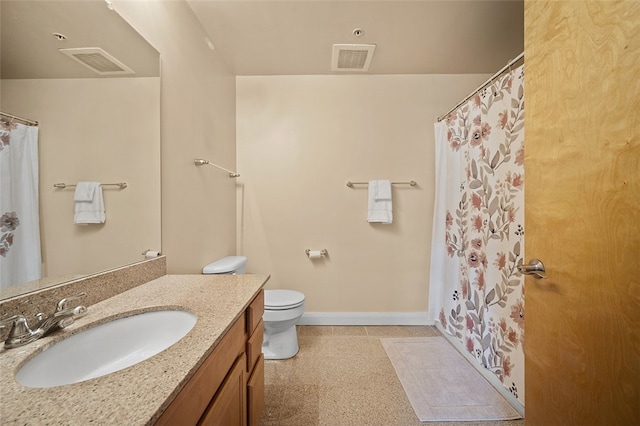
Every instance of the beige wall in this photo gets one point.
(104, 130)
(198, 121)
(299, 139)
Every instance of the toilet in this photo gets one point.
(282, 311)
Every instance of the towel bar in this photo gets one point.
(61, 185)
(201, 162)
(411, 182)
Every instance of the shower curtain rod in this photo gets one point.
(19, 119)
(483, 85)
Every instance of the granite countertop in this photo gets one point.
(138, 394)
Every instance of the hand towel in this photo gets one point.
(382, 190)
(89, 203)
(380, 205)
(85, 191)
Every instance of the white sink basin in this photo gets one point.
(106, 348)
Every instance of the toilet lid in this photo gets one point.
(282, 299)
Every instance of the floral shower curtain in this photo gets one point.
(20, 256)
(476, 290)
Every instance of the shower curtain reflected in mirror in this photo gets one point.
(20, 255)
(476, 292)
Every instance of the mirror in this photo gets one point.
(92, 127)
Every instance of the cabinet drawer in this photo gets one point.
(255, 393)
(254, 312)
(254, 346)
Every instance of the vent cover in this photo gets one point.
(98, 61)
(352, 57)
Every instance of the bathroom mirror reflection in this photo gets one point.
(92, 127)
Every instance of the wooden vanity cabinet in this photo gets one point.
(228, 388)
(255, 393)
(255, 360)
(229, 406)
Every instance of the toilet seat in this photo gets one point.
(279, 300)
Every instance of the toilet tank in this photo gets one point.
(227, 265)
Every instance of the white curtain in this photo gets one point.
(476, 292)
(20, 255)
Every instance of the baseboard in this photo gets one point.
(365, 318)
(485, 373)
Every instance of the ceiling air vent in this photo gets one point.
(352, 57)
(98, 60)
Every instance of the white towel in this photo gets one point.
(380, 206)
(89, 203)
(85, 191)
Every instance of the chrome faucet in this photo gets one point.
(21, 334)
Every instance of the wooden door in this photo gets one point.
(582, 133)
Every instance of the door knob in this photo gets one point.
(535, 268)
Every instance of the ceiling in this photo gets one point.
(30, 50)
(265, 37)
(295, 37)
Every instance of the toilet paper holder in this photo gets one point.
(148, 253)
(315, 254)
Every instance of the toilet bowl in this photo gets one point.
(282, 311)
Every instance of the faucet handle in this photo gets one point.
(62, 304)
(20, 333)
(73, 314)
(10, 321)
(19, 326)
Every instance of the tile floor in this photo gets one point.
(343, 377)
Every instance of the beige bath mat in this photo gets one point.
(441, 385)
